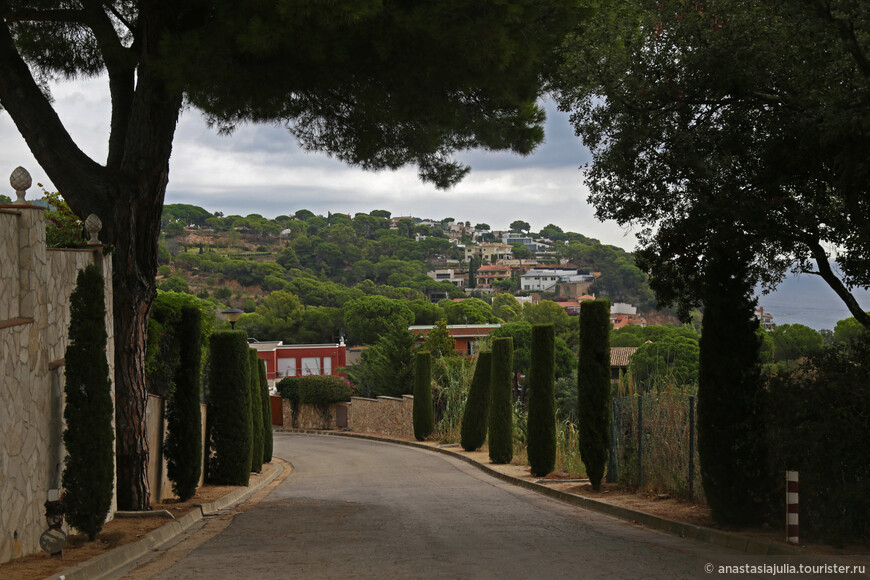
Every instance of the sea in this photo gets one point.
(806, 299)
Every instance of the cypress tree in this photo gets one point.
(593, 386)
(267, 413)
(183, 445)
(256, 413)
(474, 417)
(424, 414)
(229, 408)
(501, 411)
(542, 401)
(730, 415)
(88, 468)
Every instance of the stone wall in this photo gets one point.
(35, 284)
(384, 415)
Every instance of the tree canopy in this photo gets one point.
(689, 106)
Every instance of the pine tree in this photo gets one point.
(501, 411)
(267, 414)
(424, 414)
(475, 415)
(593, 386)
(183, 445)
(256, 413)
(542, 401)
(730, 415)
(229, 408)
(88, 468)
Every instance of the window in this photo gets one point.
(327, 365)
(310, 366)
(289, 367)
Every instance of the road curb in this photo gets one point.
(107, 563)
(718, 538)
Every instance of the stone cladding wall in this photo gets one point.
(308, 417)
(384, 415)
(35, 284)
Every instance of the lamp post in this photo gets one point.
(232, 315)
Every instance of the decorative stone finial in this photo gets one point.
(20, 180)
(93, 225)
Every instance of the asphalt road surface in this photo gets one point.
(362, 509)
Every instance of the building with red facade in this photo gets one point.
(297, 360)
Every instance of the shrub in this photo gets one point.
(593, 387)
(730, 420)
(818, 426)
(542, 401)
(501, 448)
(164, 271)
(474, 419)
(229, 408)
(183, 445)
(424, 418)
(88, 468)
(267, 413)
(256, 413)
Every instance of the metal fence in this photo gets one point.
(653, 444)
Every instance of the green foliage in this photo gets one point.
(542, 402)
(176, 283)
(521, 333)
(673, 359)
(88, 468)
(5, 199)
(438, 342)
(634, 335)
(183, 445)
(847, 330)
(229, 408)
(468, 311)
(474, 418)
(520, 226)
(593, 387)
(321, 391)
(369, 318)
(817, 425)
(63, 228)
(501, 412)
(268, 444)
(256, 412)
(730, 410)
(506, 307)
(164, 271)
(794, 341)
(424, 418)
(386, 368)
(566, 398)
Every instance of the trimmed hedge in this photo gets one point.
(474, 418)
(267, 413)
(424, 413)
(315, 389)
(542, 401)
(183, 445)
(229, 408)
(593, 388)
(501, 409)
(256, 413)
(88, 468)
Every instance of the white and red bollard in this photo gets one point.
(791, 505)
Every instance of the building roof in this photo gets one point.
(620, 356)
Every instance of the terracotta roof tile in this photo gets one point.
(620, 356)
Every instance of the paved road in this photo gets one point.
(362, 509)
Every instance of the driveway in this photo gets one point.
(362, 509)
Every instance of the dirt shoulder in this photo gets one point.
(118, 532)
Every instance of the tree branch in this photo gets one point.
(847, 33)
(837, 285)
(66, 165)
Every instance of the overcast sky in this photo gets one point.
(260, 169)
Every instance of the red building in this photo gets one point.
(297, 360)
(465, 335)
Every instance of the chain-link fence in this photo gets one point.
(654, 445)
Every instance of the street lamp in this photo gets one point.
(232, 315)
